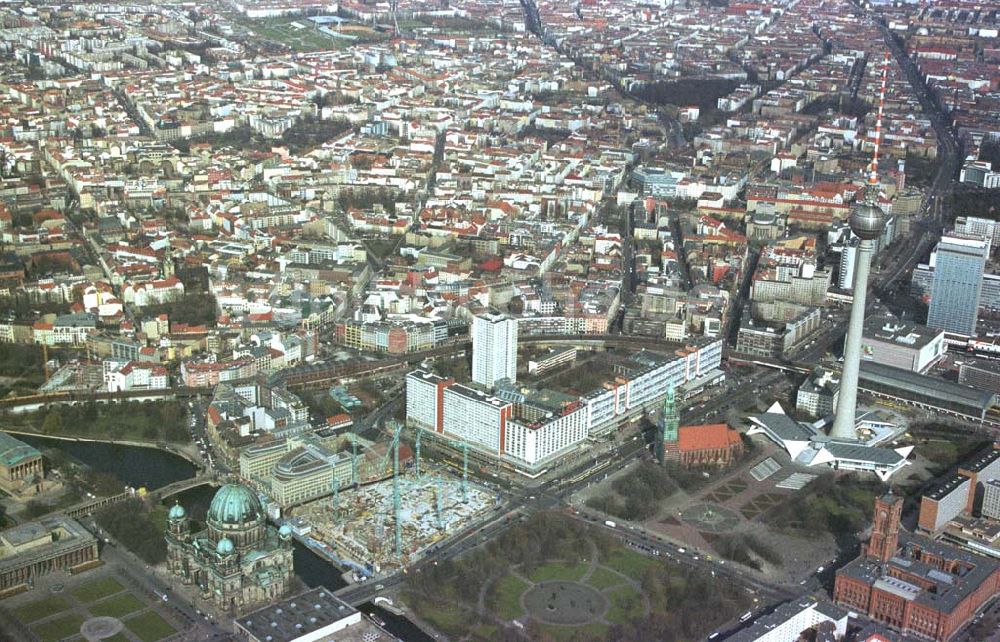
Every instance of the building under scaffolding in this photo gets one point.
(359, 526)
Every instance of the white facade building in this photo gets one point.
(135, 375)
(535, 442)
(475, 417)
(530, 434)
(494, 349)
(845, 273)
(424, 399)
(991, 499)
(788, 621)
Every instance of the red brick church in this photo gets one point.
(705, 445)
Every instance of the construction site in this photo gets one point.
(386, 524)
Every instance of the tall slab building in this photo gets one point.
(958, 282)
(494, 349)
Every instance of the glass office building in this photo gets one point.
(958, 282)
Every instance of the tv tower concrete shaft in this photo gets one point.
(867, 223)
(844, 423)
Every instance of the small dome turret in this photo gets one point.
(225, 547)
(177, 512)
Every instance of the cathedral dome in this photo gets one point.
(285, 531)
(225, 547)
(235, 505)
(176, 512)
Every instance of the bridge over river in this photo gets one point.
(89, 506)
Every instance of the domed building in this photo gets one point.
(238, 561)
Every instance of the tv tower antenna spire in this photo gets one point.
(873, 174)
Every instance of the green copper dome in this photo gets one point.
(235, 505)
(176, 512)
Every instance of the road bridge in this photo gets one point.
(30, 403)
(87, 507)
(183, 485)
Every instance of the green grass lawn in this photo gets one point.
(117, 606)
(447, 617)
(603, 578)
(939, 452)
(629, 563)
(507, 597)
(97, 589)
(150, 627)
(117, 637)
(59, 629)
(592, 631)
(559, 571)
(486, 632)
(41, 608)
(307, 38)
(626, 604)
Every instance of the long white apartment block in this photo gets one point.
(529, 435)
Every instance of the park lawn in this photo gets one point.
(486, 632)
(559, 571)
(411, 23)
(150, 627)
(158, 515)
(64, 627)
(98, 589)
(307, 38)
(117, 606)
(626, 605)
(41, 608)
(629, 563)
(592, 631)
(939, 452)
(447, 617)
(117, 637)
(603, 578)
(507, 597)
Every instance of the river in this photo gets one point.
(134, 465)
(137, 466)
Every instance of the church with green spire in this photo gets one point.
(666, 443)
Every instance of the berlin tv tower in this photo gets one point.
(867, 222)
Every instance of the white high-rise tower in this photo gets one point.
(494, 349)
(867, 223)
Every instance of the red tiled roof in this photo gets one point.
(706, 437)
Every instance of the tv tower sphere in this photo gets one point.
(867, 221)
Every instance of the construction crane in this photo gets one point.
(354, 459)
(440, 502)
(336, 497)
(397, 428)
(465, 468)
(417, 449)
(394, 9)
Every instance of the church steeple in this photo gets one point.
(666, 443)
(168, 262)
